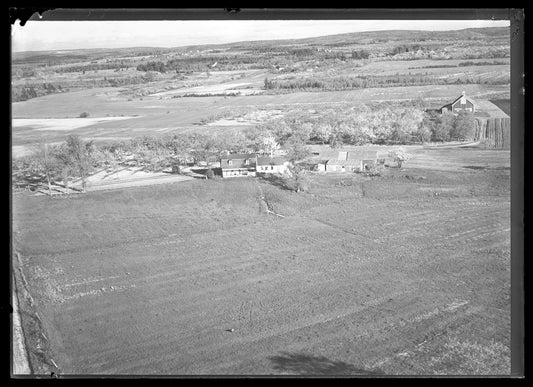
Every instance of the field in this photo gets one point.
(187, 89)
(407, 273)
(123, 119)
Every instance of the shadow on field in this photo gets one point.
(277, 180)
(303, 364)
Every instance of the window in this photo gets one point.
(229, 162)
(247, 162)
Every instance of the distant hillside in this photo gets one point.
(81, 54)
(375, 37)
(368, 37)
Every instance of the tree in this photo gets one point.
(297, 179)
(399, 156)
(464, 126)
(321, 133)
(422, 134)
(75, 156)
(443, 126)
(41, 164)
(268, 84)
(297, 151)
(270, 145)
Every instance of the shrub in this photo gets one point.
(84, 115)
(399, 156)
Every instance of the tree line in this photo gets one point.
(366, 81)
(382, 124)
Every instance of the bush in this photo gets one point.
(399, 156)
(84, 115)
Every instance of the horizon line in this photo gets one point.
(242, 41)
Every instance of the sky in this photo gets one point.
(66, 35)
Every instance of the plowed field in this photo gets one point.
(363, 276)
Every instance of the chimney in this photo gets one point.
(464, 93)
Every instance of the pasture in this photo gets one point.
(406, 273)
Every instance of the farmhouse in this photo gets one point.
(271, 165)
(460, 104)
(348, 161)
(239, 164)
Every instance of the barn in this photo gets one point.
(458, 105)
(348, 161)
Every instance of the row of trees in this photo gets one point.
(363, 125)
(23, 93)
(368, 81)
(449, 127)
(351, 126)
(91, 67)
(73, 158)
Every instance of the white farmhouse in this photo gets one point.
(271, 165)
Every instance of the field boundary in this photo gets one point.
(36, 343)
(20, 362)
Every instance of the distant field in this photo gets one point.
(156, 116)
(403, 274)
(503, 104)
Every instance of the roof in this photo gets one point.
(363, 155)
(329, 154)
(238, 156)
(271, 160)
(344, 162)
(349, 154)
(238, 162)
(457, 99)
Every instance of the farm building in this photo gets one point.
(348, 161)
(271, 165)
(240, 164)
(460, 104)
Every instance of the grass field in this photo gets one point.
(407, 273)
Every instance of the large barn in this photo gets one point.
(348, 161)
(460, 104)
